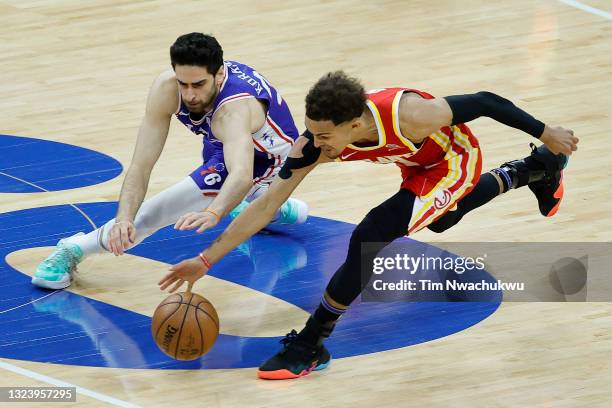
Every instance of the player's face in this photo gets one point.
(332, 139)
(198, 87)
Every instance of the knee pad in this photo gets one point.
(379, 226)
(366, 231)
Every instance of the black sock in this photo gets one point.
(315, 332)
(519, 173)
(321, 323)
(323, 315)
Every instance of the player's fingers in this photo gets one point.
(178, 223)
(125, 237)
(185, 222)
(167, 281)
(165, 285)
(203, 228)
(111, 236)
(567, 150)
(113, 243)
(165, 278)
(111, 247)
(132, 234)
(178, 285)
(123, 241)
(193, 223)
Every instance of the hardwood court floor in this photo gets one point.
(78, 72)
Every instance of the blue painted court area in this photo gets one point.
(293, 264)
(51, 165)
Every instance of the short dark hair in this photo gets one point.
(197, 49)
(336, 97)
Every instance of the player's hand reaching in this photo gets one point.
(560, 140)
(189, 270)
(202, 220)
(121, 236)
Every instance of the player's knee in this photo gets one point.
(438, 227)
(369, 229)
(445, 222)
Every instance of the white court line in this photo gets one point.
(29, 303)
(588, 9)
(47, 191)
(70, 204)
(59, 383)
(51, 380)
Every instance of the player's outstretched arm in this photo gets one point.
(256, 216)
(426, 116)
(152, 134)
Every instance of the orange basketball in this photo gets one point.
(185, 326)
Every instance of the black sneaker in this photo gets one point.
(549, 190)
(297, 359)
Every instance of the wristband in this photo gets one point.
(208, 210)
(205, 260)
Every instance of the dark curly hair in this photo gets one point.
(197, 49)
(336, 97)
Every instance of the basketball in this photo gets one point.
(185, 326)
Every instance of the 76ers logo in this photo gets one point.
(211, 174)
(443, 199)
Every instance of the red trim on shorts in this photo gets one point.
(458, 184)
(278, 131)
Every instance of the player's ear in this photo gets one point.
(219, 75)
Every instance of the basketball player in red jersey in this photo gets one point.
(440, 161)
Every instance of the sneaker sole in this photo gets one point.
(288, 375)
(558, 195)
(42, 283)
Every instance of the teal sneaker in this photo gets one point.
(293, 211)
(238, 209)
(56, 271)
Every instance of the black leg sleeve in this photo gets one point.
(383, 224)
(485, 190)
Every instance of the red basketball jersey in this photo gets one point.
(423, 166)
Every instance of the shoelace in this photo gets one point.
(57, 255)
(289, 338)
